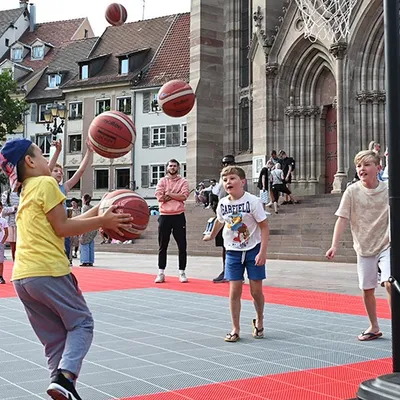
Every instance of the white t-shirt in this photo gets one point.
(3, 225)
(368, 212)
(241, 218)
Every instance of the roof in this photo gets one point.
(64, 61)
(173, 59)
(124, 39)
(8, 17)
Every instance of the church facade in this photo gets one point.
(262, 86)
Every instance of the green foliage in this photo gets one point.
(11, 109)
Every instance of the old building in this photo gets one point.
(261, 86)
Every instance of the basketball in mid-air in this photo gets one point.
(112, 134)
(131, 203)
(176, 98)
(116, 14)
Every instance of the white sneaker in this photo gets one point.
(160, 278)
(183, 278)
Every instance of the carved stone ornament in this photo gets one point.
(271, 70)
(74, 161)
(375, 96)
(302, 111)
(338, 50)
(258, 17)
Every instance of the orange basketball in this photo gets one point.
(176, 98)
(112, 134)
(116, 14)
(131, 203)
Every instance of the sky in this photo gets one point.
(56, 10)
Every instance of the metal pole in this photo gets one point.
(392, 60)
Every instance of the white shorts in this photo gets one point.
(367, 269)
(264, 196)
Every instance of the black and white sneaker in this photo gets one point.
(61, 388)
(2, 281)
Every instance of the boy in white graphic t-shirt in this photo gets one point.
(3, 238)
(366, 205)
(246, 236)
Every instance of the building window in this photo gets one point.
(244, 125)
(124, 104)
(183, 169)
(157, 172)
(158, 137)
(54, 81)
(44, 143)
(37, 52)
(124, 66)
(70, 174)
(7, 42)
(244, 41)
(16, 53)
(122, 178)
(101, 179)
(184, 135)
(102, 105)
(75, 110)
(42, 109)
(85, 71)
(173, 135)
(74, 143)
(150, 102)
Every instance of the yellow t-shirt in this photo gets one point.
(40, 252)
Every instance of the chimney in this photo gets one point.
(23, 3)
(32, 17)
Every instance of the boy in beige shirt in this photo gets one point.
(366, 205)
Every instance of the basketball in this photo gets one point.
(176, 98)
(112, 134)
(131, 203)
(116, 14)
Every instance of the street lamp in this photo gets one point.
(51, 115)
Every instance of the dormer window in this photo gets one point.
(38, 52)
(16, 53)
(85, 71)
(124, 66)
(54, 81)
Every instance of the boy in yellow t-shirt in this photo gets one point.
(42, 279)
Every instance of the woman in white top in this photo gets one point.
(279, 186)
(10, 201)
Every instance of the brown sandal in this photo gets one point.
(257, 333)
(231, 337)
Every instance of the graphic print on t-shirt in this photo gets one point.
(240, 229)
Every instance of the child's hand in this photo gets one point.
(260, 259)
(330, 253)
(207, 238)
(89, 145)
(57, 144)
(116, 221)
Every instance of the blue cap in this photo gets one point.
(10, 155)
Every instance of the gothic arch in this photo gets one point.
(305, 69)
(366, 74)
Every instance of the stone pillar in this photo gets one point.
(206, 120)
(313, 140)
(362, 98)
(302, 163)
(290, 112)
(339, 50)
(271, 71)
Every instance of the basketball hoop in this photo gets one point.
(326, 19)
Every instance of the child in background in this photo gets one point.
(3, 238)
(54, 304)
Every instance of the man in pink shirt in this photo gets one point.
(171, 193)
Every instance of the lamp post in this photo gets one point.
(51, 116)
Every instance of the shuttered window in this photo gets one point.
(34, 112)
(145, 137)
(173, 135)
(146, 102)
(145, 176)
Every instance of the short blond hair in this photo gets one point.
(57, 165)
(367, 156)
(233, 170)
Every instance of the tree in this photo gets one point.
(11, 108)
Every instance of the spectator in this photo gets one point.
(212, 192)
(172, 192)
(10, 201)
(288, 165)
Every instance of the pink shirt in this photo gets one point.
(177, 185)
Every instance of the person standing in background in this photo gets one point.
(10, 201)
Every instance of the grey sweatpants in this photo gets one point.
(60, 318)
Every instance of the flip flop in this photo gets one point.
(366, 336)
(231, 337)
(257, 333)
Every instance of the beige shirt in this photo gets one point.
(368, 212)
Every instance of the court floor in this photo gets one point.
(165, 342)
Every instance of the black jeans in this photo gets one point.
(177, 225)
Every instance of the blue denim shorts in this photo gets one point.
(238, 261)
